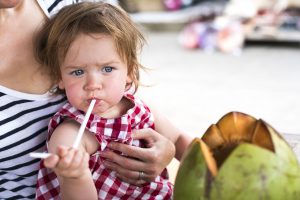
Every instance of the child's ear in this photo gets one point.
(128, 80)
(128, 83)
(61, 85)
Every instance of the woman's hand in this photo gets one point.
(141, 164)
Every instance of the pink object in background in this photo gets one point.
(172, 4)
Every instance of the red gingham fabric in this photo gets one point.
(107, 130)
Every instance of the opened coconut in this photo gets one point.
(238, 158)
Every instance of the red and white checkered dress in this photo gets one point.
(107, 130)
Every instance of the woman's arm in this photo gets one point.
(173, 133)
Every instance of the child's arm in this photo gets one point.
(74, 175)
(71, 165)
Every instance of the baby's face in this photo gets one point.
(93, 69)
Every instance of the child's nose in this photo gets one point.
(93, 83)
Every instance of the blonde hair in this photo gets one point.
(56, 36)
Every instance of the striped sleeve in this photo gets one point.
(50, 7)
(23, 129)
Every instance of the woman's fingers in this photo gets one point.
(129, 176)
(129, 167)
(128, 150)
(148, 136)
(128, 163)
(137, 182)
(153, 140)
(149, 161)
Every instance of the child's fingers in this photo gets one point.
(66, 161)
(79, 164)
(62, 151)
(77, 159)
(51, 161)
(77, 167)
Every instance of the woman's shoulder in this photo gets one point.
(50, 7)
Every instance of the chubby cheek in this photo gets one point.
(115, 91)
(74, 95)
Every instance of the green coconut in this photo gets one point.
(238, 158)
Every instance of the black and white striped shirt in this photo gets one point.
(23, 126)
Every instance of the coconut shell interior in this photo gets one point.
(233, 129)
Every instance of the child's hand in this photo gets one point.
(69, 163)
(71, 167)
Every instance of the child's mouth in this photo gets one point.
(97, 100)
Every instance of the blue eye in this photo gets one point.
(78, 72)
(107, 69)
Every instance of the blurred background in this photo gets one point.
(209, 57)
